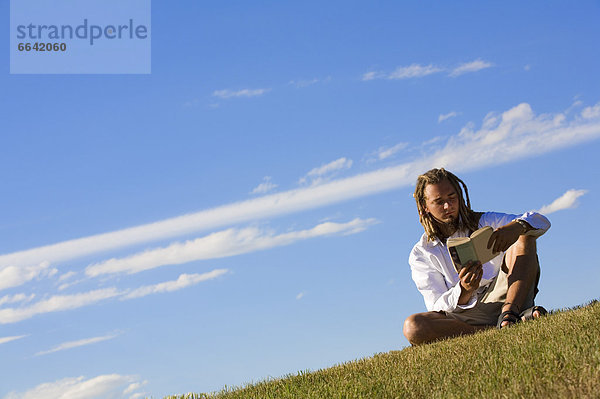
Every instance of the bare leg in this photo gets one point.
(521, 261)
(423, 328)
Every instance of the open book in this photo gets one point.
(464, 249)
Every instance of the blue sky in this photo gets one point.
(245, 211)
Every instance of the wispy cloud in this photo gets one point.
(414, 71)
(514, 134)
(104, 386)
(60, 303)
(373, 75)
(56, 303)
(265, 186)
(16, 298)
(386, 152)
(319, 174)
(338, 164)
(67, 276)
(591, 112)
(226, 93)
(472, 66)
(133, 387)
(404, 72)
(566, 201)
(418, 70)
(77, 344)
(184, 281)
(300, 295)
(449, 115)
(4, 340)
(219, 245)
(301, 83)
(15, 275)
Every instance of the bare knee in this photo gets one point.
(415, 328)
(525, 245)
(522, 252)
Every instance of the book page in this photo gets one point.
(465, 252)
(480, 240)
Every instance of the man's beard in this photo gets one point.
(448, 228)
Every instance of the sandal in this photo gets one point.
(510, 316)
(527, 314)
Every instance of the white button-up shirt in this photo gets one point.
(433, 271)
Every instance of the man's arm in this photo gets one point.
(530, 223)
(503, 237)
(427, 273)
(470, 278)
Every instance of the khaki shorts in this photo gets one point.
(489, 306)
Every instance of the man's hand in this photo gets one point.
(470, 276)
(505, 236)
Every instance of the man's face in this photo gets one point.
(441, 201)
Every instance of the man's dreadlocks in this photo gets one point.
(467, 218)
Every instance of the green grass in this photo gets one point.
(555, 357)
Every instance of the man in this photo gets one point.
(500, 292)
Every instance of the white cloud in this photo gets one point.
(385, 152)
(134, 386)
(404, 72)
(472, 66)
(414, 71)
(373, 75)
(304, 83)
(591, 112)
(4, 340)
(419, 71)
(66, 284)
(566, 201)
(59, 303)
(225, 94)
(56, 303)
(308, 82)
(338, 164)
(300, 296)
(184, 281)
(77, 344)
(67, 276)
(109, 386)
(316, 175)
(16, 298)
(514, 134)
(219, 245)
(15, 275)
(265, 186)
(449, 115)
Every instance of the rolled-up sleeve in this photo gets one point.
(432, 285)
(539, 222)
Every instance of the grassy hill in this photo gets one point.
(555, 357)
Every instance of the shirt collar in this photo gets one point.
(436, 241)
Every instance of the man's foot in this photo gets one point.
(534, 312)
(508, 318)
